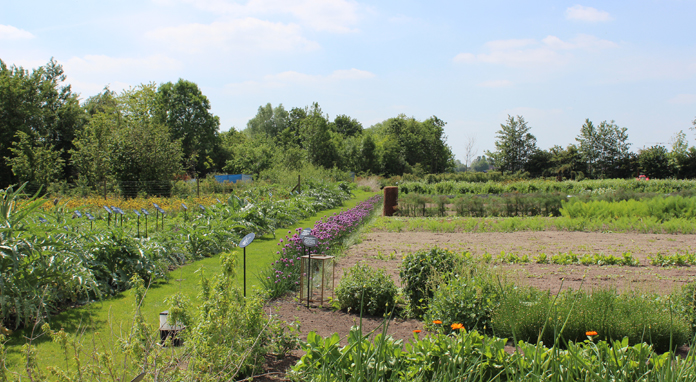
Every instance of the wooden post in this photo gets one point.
(391, 197)
(198, 187)
(105, 189)
(299, 185)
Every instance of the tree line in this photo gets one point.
(601, 151)
(157, 133)
(151, 133)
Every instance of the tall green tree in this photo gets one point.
(184, 109)
(369, 155)
(41, 105)
(346, 126)
(514, 145)
(269, 121)
(317, 140)
(605, 148)
(654, 162)
(39, 165)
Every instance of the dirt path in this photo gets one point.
(385, 250)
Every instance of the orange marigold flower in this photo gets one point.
(417, 331)
(437, 322)
(457, 326)
(591, 333)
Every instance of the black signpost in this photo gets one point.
(185, 211)
(146, 215)
(159, 211)
(108, 222)
(137, 213)
(246, 240)
(91, 218)
(309, 241)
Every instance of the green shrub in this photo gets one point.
(418, 270)
(529, 314)
(468, 296)
(364, 289)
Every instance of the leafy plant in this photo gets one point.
(417, 272)
(366, 289)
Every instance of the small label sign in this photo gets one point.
(144, 211)
(247, 240)
(184, 206)
(136, 212)
(107, 209)
(310, 241)
(305, 232)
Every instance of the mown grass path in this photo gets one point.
(113, 317)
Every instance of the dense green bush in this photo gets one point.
(468, 296)
(419, 269)
(529, 314)
(364, 289)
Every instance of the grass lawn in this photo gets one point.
(111, 317)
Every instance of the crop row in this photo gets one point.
(471, 311)
(608, 205)
(50, 258)
(547, 186)
(535, 223)
(570, 258)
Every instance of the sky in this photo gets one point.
(470, 63)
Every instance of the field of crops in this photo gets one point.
(595, 284)
(76, 251)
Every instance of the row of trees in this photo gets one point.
(155, 133)
(601, 151)
(277, 137)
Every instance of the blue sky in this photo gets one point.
(470, 63)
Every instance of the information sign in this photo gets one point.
(310, 241)
(247, 240)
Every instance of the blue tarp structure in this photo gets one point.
(233, 178)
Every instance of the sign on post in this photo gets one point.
(246, 240)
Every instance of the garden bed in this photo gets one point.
(385, 250)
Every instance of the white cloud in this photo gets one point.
(338, 16)
(293, 78)
(510, 44)
(495, 84)
(578, 12)
(248, 34)
(8, 32)
(98, 64)
(529, 52)
(683, 99)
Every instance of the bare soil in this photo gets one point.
(385, 250)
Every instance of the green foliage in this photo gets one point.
(364, 289)
(185, 111)
(44, 108)
(529, 315)
(604, 148)
(39, 165)
(468, 296)
(418, 272)
(38, 272)
(514, 145)
(474, 356)
(677, 259)
(484, 184)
